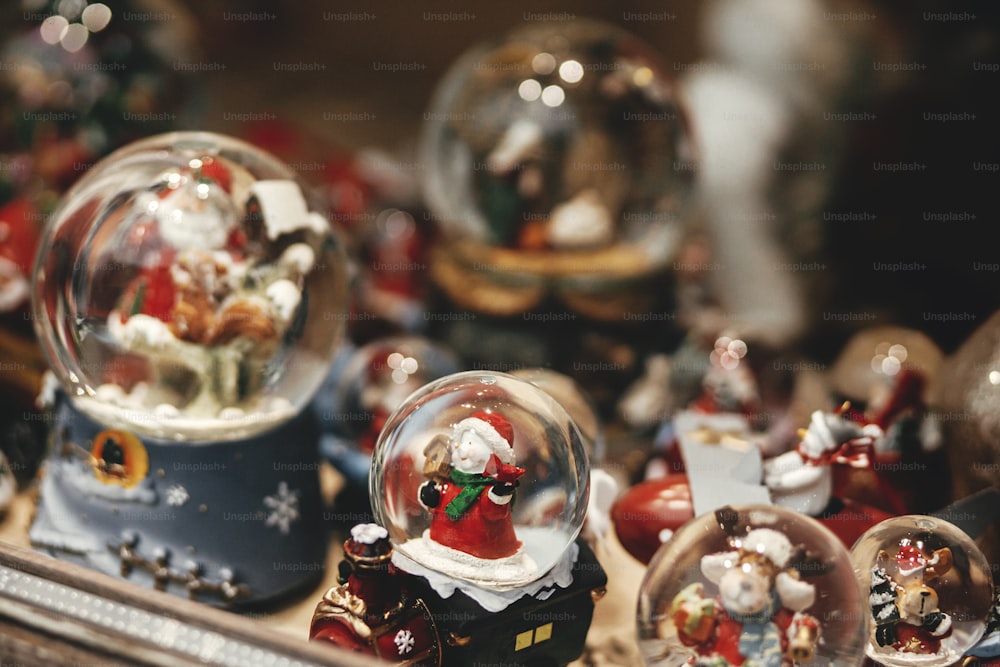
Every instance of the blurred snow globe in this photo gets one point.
(558, 150)
(364, 386)
(751, 584)
(455, 473)
(184, 289)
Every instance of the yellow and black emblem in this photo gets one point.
(119, 457)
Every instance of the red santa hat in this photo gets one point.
(910, 560)
(494, 429)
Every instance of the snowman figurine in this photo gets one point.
(802, 479)
(469, 497)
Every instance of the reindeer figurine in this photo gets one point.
(905, 606)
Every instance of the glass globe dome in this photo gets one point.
(558, 142)
(185, 288)
(930, 588)
(499, 518)
(751, 571)
(365, 386)
(575, 401)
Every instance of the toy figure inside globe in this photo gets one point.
(754, 584)
(559, 141)
(180, 290)
(481, 477)
(930, 590)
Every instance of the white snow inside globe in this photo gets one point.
(182, 290)
(481, 477)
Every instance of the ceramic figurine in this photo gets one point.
(930, 590)
(470, 502)
(802, 479)
(181, 295)
(905, 607)
(888, 374)
(760, 615)
(750, 585)
(368, 612)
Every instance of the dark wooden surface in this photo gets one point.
(54, 613)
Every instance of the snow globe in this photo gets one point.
(751, 584)
(187, 296)
(364, 386)
(455, 476)
(556, 162)
(930, 590)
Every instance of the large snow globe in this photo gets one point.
(181, 289)
(457, 475)
(557, 155)
(189, 299)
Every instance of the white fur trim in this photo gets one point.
(498, 500)
(485, 430)
(795, 594)
(713, 566)
(769, 543)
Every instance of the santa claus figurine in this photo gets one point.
(470, 499)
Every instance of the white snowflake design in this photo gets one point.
(284, 506)
(404, 641)
(177, 495)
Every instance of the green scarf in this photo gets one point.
(473, 485)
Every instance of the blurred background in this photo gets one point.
(845, 152)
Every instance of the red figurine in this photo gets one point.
(367, 613)
(470, 506)
(905, 607)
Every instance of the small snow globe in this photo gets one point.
(559, 152)
(364, 386)
(482, 481)
(189, 299)
(930, 590)
(751, 584)
(181, 287)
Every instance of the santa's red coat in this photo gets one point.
(485, 530)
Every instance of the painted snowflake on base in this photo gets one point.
(404, 641)
(284, 506)
(177, 495)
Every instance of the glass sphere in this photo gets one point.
(930, 590)
(558, 139)
(507, 465)
(185, 288)
(578, 404)
(363, 389)
(752, 570)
